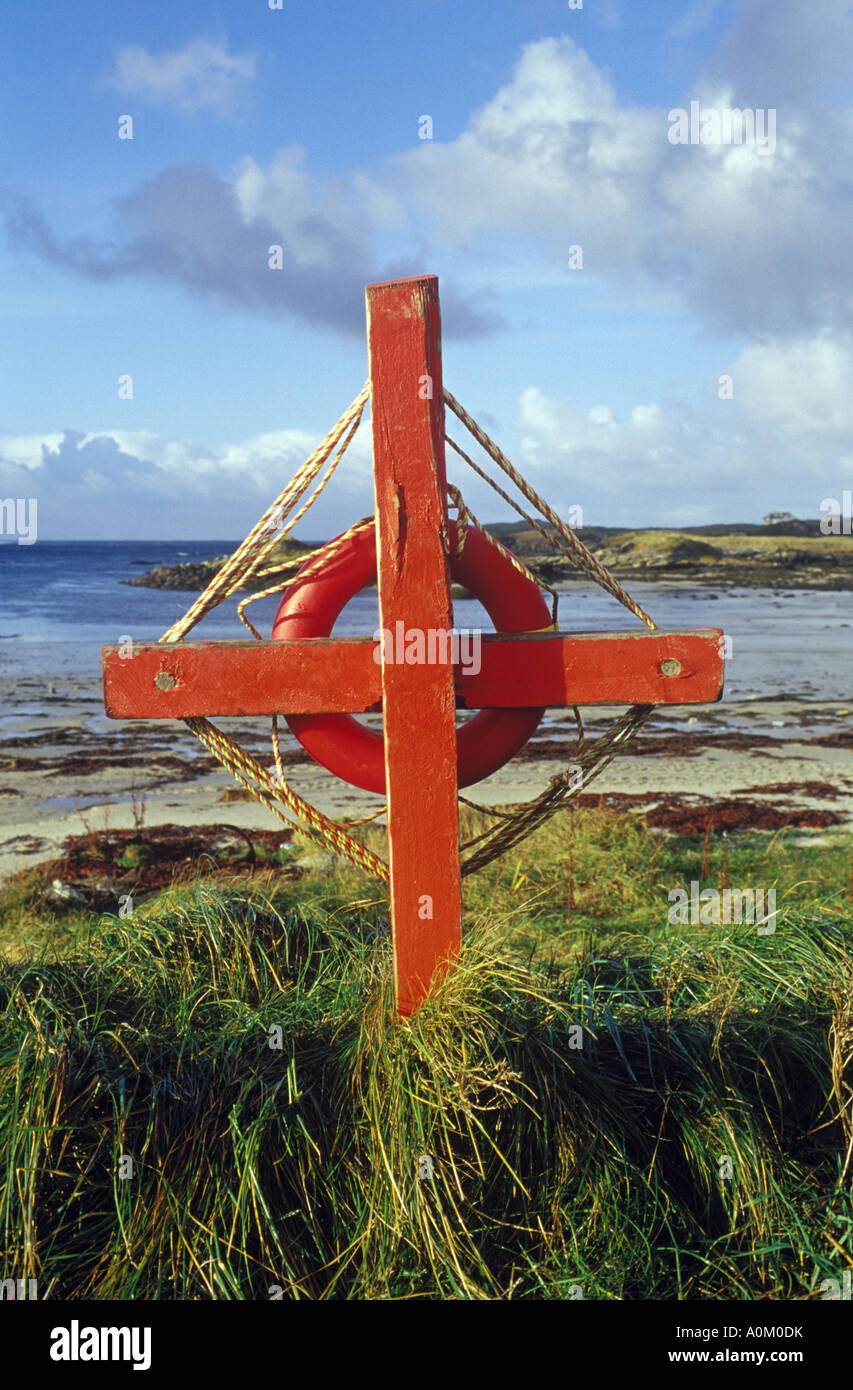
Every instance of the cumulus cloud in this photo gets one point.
(218, 240)
(803, 389)
(553, 151)
(659, 464)
(780, 443)
(751, 242)
(25, 451)
(202, 75)
(132, 483)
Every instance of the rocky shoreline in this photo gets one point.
(197, 575)
(796, 557)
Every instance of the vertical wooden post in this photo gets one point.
(419, 705)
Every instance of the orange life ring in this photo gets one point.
(349, 749)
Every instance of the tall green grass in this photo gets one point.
(560, 1119)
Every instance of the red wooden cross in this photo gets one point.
(419, 701)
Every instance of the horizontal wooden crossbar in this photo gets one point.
(328, 675)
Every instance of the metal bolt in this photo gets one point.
(164, 680)
(670, 667)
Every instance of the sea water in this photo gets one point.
(61, 601)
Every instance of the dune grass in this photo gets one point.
(212, 1099)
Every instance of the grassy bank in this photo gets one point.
(596, 1103)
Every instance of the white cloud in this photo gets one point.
(27, 450)
(780, 442)
(804, 388)
(312, 217)
(189, 226)
(165, 454)
(201, 75)
(265, 461)
(751, 241)
(552, 153)
(122, 483)
(638, 465)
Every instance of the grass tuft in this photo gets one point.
(213, 1098)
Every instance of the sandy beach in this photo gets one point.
(776, 751)
(67, 770)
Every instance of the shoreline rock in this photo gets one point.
(781, 556)
(196, 575)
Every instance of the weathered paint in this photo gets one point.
(322, 675)
(419, 704)
(318, 675)
(595, 668)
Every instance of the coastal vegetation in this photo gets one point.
(209, 1096)
(794, 556)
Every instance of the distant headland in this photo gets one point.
(783, 553)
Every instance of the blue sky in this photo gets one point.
(300, 126)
